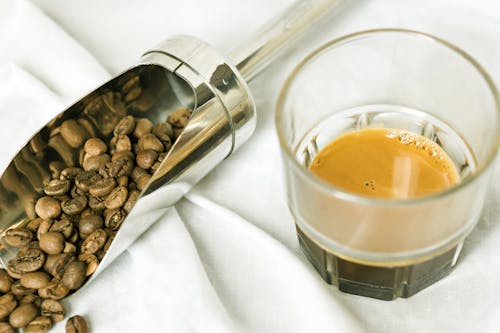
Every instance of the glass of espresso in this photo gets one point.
(388, 140)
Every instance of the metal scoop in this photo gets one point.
(181, 72)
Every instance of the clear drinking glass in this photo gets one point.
(387, 248)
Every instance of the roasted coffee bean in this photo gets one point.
(75, 192)
(35, 280)
(34, 224)
(40, 324)
(7, 304)
(19, 290)
(122, 143)
(96, 204)
(5, 281)
(102, 187)
(89, 224)
(56, 263)
(54, 290)
(31, 298)
(143, 126)
(111, 238)
(130, 84)
(53, 309)
(22, 315)
(137, 173)
(63, 226)
(28, 260)
(91, 261)
(74, 206)
(133, 94)
(150, 141)
(115, 219)
(116, 198)
(96, 162)
(179, 118)
(48, 208)
(57, 187)
(44, 228)
(125, 126)
(86, 179)
(6, 328)
(12, 270)
(55, 168)
(18, 237)
(143, 181)
(73, 133)
(74, 237)
(74, 275)
(164, 132)
(95, 147)
(70, 173)
(52, 242)
(94, 242)
(76, 324)
(146, 158)
(120, 167)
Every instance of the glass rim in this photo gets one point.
(350, 196)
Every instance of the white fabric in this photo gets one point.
(226, 259)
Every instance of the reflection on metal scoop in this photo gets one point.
(182, 72)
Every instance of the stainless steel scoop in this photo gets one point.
(181, 72)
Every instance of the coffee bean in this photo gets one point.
(5, 281)
(35, 280)
(69, 248)
(116, 198)
(56, 263)
(76, 324)
(122, 181)
(74, 206)
(95, 147)
(146, 158)
(122, 143)
(53, 309)
(120, 167)
(179, 118)
(143, 181)
(40, 324)
(89, 224)
(70, 173)
(6, 328)
(125, 126)
(63, 226)
(18, 237)
(137, 173)
(132, 199)
(123, 154)
(164, 132)
(133, 94)
(150, 141)
(86, 179)
(73, 133)
(54, 290)
(96, 204)
(74, 237)
(12, 270)
(96, 162)
(22, 315)
(48, 208)
(143, 126)
(7, 304)
(102, 187)
(115, 219)
(18, 289)
(74, 275)
(94, 242)
(52, 242)
(28, 260)
(57, 187)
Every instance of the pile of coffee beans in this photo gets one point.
(78, 216)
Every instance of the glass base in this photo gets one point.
(385, 283)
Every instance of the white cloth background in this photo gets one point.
(226, 259)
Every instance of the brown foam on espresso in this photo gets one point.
(385, 163)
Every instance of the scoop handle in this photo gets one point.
(257, 52)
